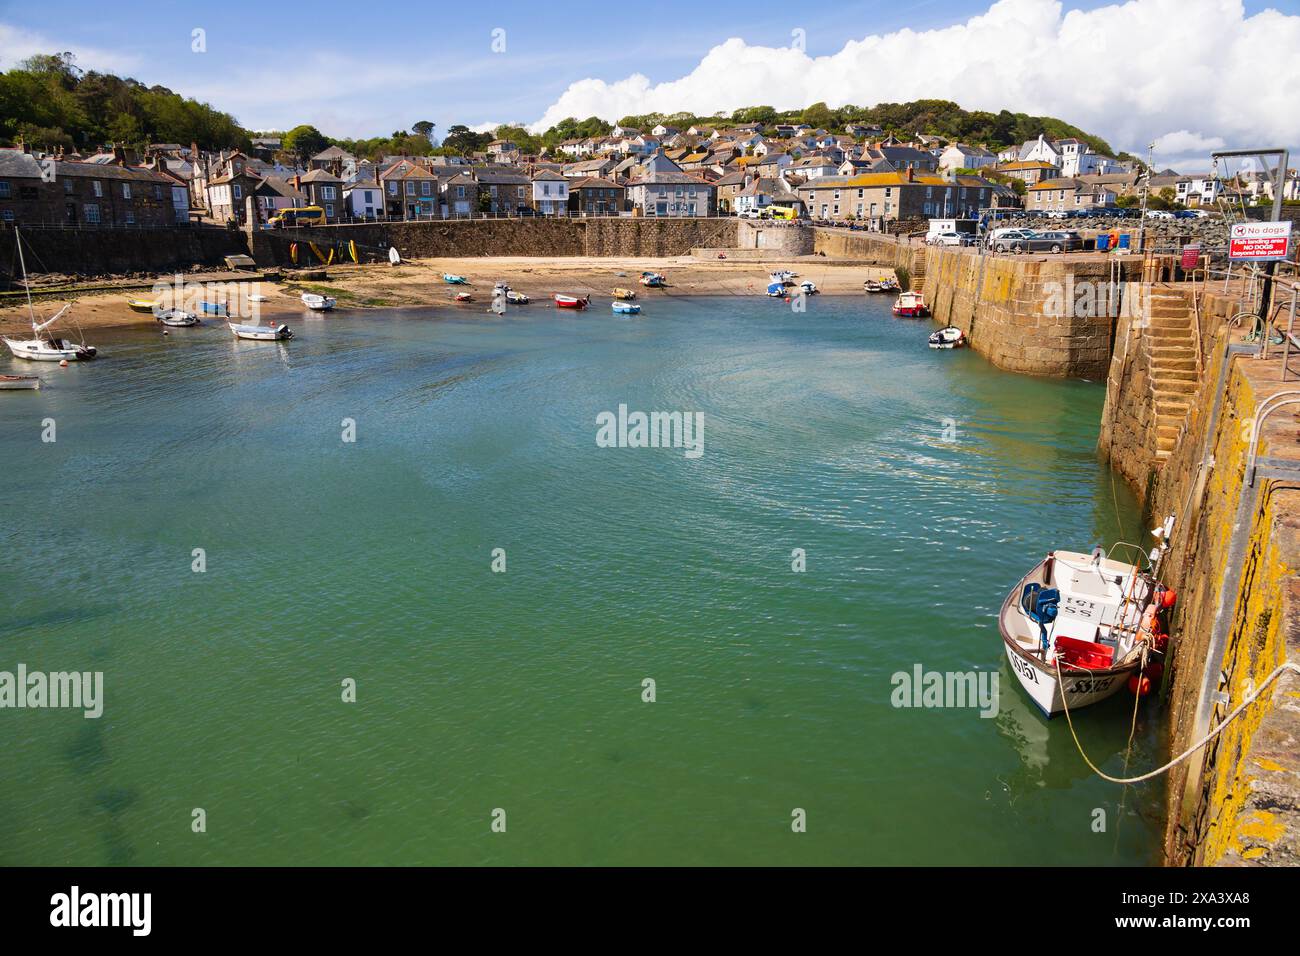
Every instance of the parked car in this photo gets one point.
(1054, 242)
(1000, 239)
(1159, 214)
(951, 239)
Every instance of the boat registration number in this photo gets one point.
(1090, 685)
(1026, 669)
(1080, 608)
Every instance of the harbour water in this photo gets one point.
(919, 484)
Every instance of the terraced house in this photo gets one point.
(886, 197)
(54, 190)
(659, 194)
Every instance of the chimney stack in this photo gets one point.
(119, 154)
(911, 174)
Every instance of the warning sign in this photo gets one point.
(1260, 241)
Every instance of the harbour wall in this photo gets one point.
(1232, 559)
(121, 251)
(539, 237)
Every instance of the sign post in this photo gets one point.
(1260, 241)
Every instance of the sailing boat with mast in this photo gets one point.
(44, 348)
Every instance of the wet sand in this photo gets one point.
(420, 283)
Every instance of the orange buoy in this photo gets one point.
(1139, 684)
(1168, 598)
(63, 363)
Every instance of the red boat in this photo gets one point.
(571, 301)
(464, 297)
(910, 305)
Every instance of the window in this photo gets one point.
(327, 192)
(239, 191)
(67, 186)
(860, 196)
(425, 188)
(329, 209)
(130, 217)
(126, 190)
(889, 191)
(92, 212)
(546, 189)
(410, 189)
(98, 188)
(460, 192)
(4, 189)
(836, 196)
(392, 189)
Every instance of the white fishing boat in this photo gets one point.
(516, 298)
(317, 303)
(625, 308)
(261, 333)
(47, 348)
(1077, 627)
(808, 287)
(9, 383)
(949, 337)
(258, 297)
(177, 318)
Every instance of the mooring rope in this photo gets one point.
(1277, 671)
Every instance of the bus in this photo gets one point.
(781, 212)
(302, 216)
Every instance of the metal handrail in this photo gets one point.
(1266, 408)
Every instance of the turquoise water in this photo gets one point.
(522, 690)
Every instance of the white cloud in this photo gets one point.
(17, 44)
(1131, 72)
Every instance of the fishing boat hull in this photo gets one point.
(1093, 638)
(950, 337)
(12, 383)
(53, 350)
(516, 298)
(625, 308)
(177, 319)
(261, 333)
(141, 305)
(569, 302)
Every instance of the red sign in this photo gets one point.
(1260, 241)
(1191, 257)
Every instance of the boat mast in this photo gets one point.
(31, 311)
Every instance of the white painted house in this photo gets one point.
(364, 200)
(550, 193)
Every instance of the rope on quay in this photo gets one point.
(1277, 671)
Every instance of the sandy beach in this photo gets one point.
(420, 283)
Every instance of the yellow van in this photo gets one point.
(303, 216)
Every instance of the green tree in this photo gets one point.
(304, 142)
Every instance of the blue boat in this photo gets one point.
(213, 308)
(625, 308)
(776, 289)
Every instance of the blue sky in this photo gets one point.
(355, 69)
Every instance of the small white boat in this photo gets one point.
(776, 290)
(625, 308)
(317, 303)
(261, 333)
(1093, 617)
(47, 349)
(142, 305)
(15, 382)
(808, 287)
(177, 318)
(516, 298)
(949, 337)
(258, 297)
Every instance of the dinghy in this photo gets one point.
(516, 298)
(653, 280)
(454, 279)
(911, 305)
(625, 308)
(1078, 627)
(776, 290)
(623, 294)
(871, 285)
(177, 318)
(142, 305)
(17, 382)
(261, 333)
(570, 301)
(47, 349)
(258, 297)
(317, 303)
(808, 287)
(949, 337)
(214, 308)
(464, 297)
